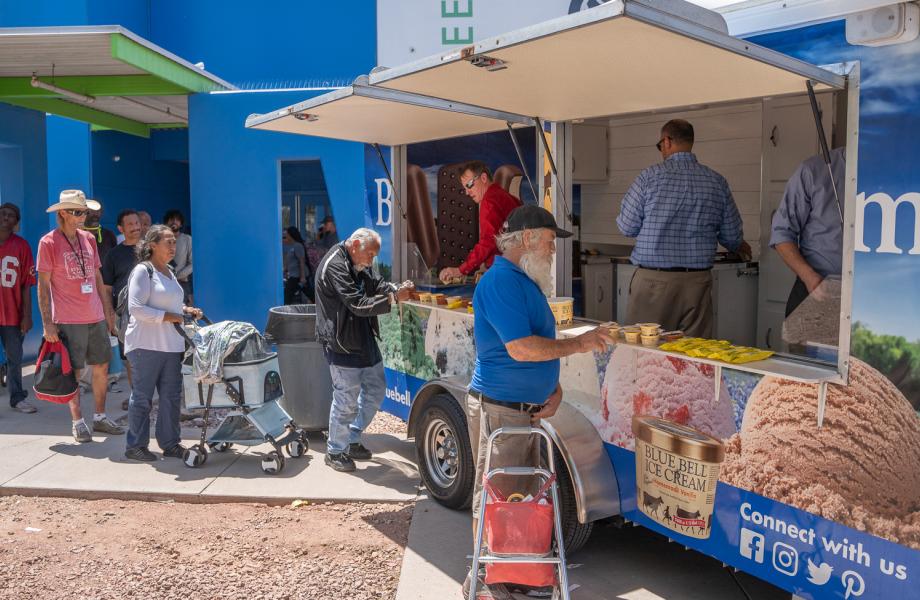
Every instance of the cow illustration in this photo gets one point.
(683, 514)
(651, 503)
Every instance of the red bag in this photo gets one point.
(519, 528)
(55, 380)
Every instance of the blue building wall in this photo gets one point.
(235, 199)
(137, 179)
(287, 43)
(69, 145)
(132, 14)
(23, 182)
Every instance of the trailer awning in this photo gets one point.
(362, 113)
(106, 76)
(621, 57)
(617, 58)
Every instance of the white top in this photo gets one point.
(149, 299)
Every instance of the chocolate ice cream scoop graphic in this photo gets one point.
(861, 469)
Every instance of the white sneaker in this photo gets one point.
(81, 432)
(24, 406)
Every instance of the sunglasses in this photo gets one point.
(75, 212)
(661, 141)
(469, 184)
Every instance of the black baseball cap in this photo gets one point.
(531, 216)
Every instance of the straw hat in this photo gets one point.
(74, 199)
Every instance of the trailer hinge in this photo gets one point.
(488, 63)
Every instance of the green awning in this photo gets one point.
(106, 76)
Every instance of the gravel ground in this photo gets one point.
(387, 423)
(122, 549)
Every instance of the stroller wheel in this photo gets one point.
(195, 456)
(297, 448)
(273, 462)
(4, 373)
(221, 446)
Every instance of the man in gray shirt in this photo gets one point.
(807, 227)
(182, 263)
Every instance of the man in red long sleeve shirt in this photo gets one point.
(495, 204)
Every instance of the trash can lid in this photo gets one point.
(291, 324)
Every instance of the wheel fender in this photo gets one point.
(596, 492)
(454, 387)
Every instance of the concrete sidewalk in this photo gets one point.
(41, 457)
(631, 563)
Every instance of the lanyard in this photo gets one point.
(78, 253)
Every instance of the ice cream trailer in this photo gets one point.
(802, 468)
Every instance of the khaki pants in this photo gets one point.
(507, 451)
(675, 300)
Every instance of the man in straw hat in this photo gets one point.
(74, 306)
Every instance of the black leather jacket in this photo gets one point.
(348, 302)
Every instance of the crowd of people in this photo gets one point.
(300, 258)
(81, 270)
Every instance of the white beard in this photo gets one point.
(539, 269)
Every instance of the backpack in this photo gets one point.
(121, 304)
(55, 380)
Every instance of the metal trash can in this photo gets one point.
(304, 371)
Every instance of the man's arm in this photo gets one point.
(535, 348)
(184, 269)
(632, 209)
(50, 330)
(26, 324)
(490, 222)
(106, 297)
(792, 256)
(359, 303)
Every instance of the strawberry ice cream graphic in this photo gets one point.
(646, 383)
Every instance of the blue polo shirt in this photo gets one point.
(508, 306)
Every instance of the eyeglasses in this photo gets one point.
(76, 213)
(661, 141)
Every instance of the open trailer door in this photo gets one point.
(621, 57)
(363, 113)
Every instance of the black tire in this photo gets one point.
(449, 479)
(574, 534)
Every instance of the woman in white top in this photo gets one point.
(153, 346)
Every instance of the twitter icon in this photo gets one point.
(819, 575)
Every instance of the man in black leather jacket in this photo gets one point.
(349, 296)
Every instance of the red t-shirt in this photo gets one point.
(17, 271)
(72, 266)
(494, 209)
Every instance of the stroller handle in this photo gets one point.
(189, 319)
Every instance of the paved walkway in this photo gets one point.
(40, 456)
(631, 563)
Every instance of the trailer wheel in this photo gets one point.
(574, 534)
(442, 441)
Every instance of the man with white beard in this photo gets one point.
(516, 379)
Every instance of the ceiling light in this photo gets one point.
(37, 83)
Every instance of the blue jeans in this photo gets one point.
(356, 397)
(163, 371)
(12, 337)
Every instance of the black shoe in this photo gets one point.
(177, 451)
(358, 452)
(340, 462)
(140, 453)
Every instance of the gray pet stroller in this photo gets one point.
(228, 366)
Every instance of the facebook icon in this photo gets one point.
(751, 545)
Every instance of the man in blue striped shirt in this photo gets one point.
(678, 211)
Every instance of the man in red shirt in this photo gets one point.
(74, 305)
(495, 204)
(17, 275)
